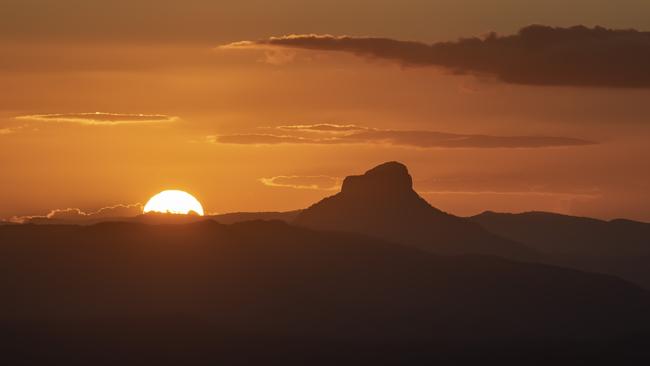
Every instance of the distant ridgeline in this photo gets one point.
(371, 275)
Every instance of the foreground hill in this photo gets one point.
(383, 204)
(620, 247)
(268, 292)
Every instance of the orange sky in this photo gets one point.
(138, 57)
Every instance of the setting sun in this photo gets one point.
(175, 202)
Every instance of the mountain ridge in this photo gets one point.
(620, 247)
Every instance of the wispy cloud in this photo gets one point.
(324, 128)
(10, 130)
(536, 55)
(311, 182)
(328, 134)
(76, 214)
(99, 118)
(262, 139)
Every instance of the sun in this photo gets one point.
(174, 202)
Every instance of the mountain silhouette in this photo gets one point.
(620, 247)
(234, 217)
(383, 204)
(266, 291)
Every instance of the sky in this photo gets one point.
(253, 107)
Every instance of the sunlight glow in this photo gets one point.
(175, 202)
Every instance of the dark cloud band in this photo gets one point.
(536, 55)
(350, 134)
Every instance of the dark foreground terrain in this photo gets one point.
(266, 292)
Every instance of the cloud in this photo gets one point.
(353, 134)
(99, 118)
(313, 182)
(536, 55)
(77, 215)
(431, 139)
(262, 139)
(323, 128)
(10, 130)
(279, 57)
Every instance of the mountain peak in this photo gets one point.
(387, 177)
(383, 204)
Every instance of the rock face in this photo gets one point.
(383, 204)
(388, 178)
